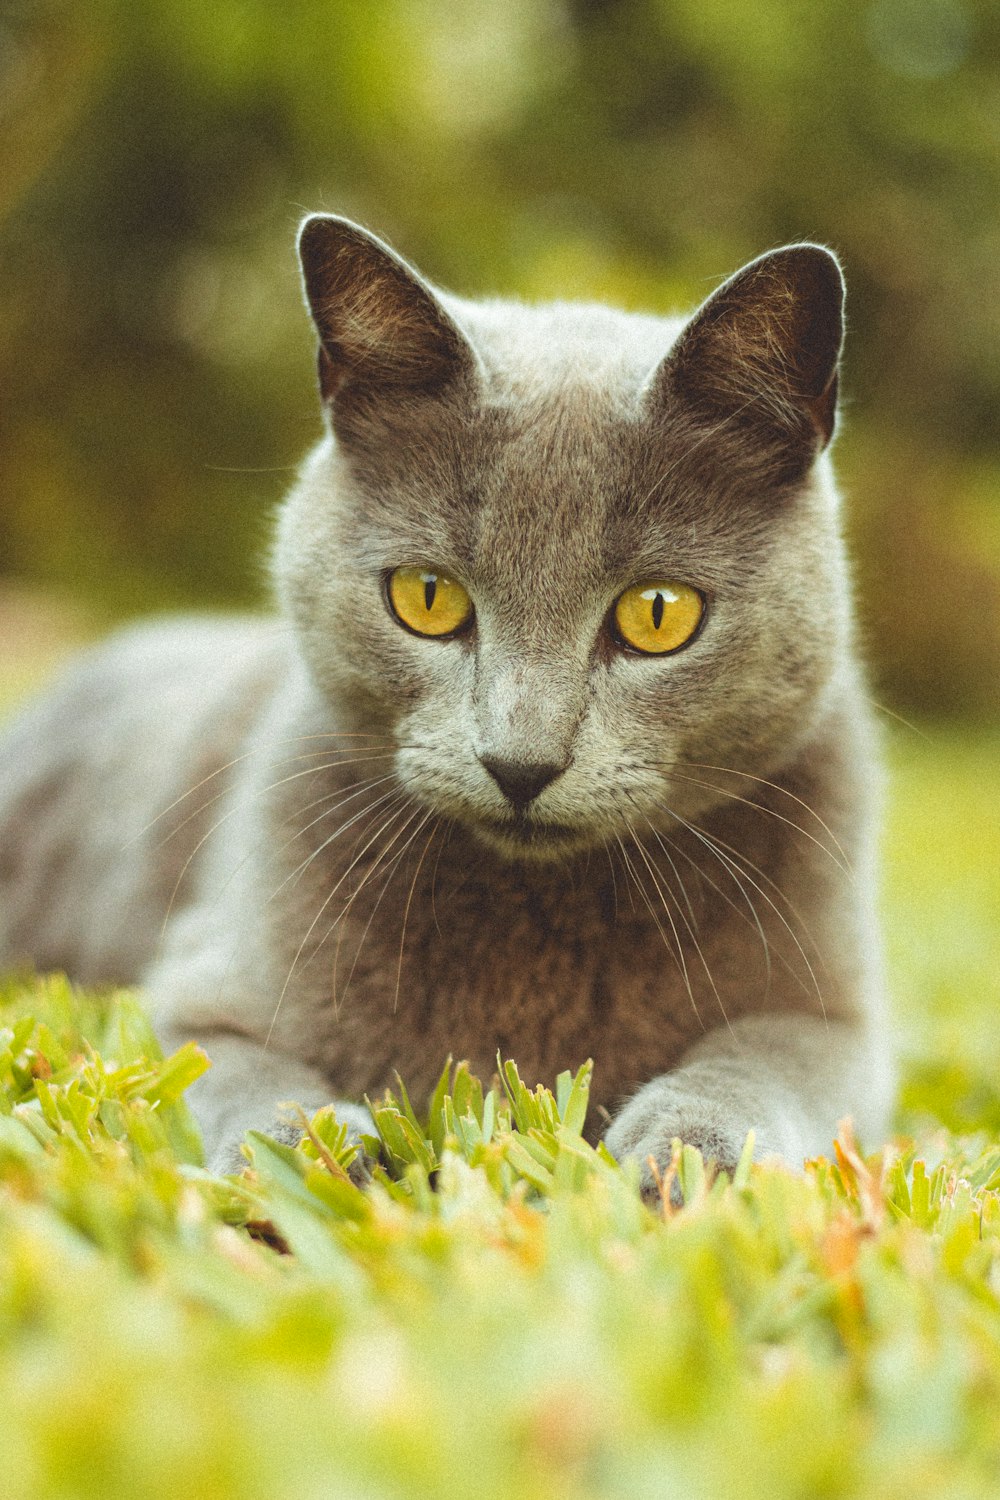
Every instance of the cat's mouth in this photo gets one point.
(531, 836)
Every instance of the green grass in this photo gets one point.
(499, 1314)
(942, 878)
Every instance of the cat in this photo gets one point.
(558, 744)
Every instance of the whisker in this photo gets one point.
(628, 872)
(728, 862)
(409, 902)
(329, 897)
(729, 901)
(746, 863)
(237, 760)
(701, 765)
(781, 895)
(335, 999)
(361, 787)
(678, 955)
(673, 867)
(362, 812)
(344, 794)
(762, 808)
(449, 826)
(611, 867)
(340, 922)
(352, 821)
(183, 798)
(690, 924)
(390, 869)
(263, 791)
(906, 723)
(669, 915)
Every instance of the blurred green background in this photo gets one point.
(156, 365)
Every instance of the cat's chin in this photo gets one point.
(529, 839)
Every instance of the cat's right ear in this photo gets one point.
(382, 330)
(760, 357)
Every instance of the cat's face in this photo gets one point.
(569, 559)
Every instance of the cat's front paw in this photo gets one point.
(229, 1159)
(645, 1130)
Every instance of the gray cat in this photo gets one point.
(558, 745)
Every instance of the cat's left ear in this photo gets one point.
(762, 353)
(382, 329)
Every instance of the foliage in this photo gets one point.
(498, 1312)
(155, 359)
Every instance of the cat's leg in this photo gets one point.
(244, 1090)
(210, 983)
(788, 1078)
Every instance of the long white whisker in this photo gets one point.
(258, 794)
(361, 788)
(727, 898)
(726, 860)
(690, 924)
(355, 818)
(337, 799)
(220, 770)
(449, 826)
(761, 808)
(611, 867)
(340, 922)
(775, 786)
(669, 915)
(745, 864)
(906, 723)
(673, 867)
(629, 875)
(390, 867)
(409, 903)
(333, 891)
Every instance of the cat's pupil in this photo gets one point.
(430, 589)
(657, 611)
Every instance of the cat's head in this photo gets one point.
(565, 557)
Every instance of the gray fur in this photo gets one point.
(283, 829)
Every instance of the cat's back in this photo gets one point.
(91, 845)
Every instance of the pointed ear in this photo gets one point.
(763, 351)
(381, 327)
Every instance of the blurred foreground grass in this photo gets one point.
(499, 1313)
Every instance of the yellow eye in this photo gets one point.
(658, 617)
(428, 602)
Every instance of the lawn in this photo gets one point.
(499, 1314)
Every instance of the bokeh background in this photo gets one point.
(156, 364)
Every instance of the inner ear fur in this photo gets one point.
(764, 349)
(380, 325)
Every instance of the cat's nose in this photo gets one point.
(519, 780)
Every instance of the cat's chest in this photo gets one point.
(549, 967)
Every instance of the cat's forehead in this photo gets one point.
(550, 469)
(535, 353)
(568, 492)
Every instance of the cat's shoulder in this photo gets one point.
(168, 647)
(155, 677)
